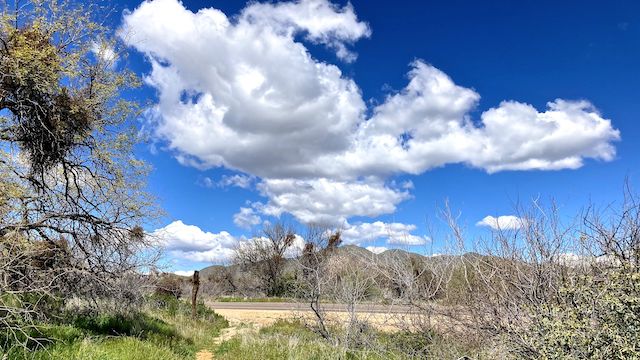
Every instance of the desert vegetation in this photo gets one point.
(78, 276)
(548, 288)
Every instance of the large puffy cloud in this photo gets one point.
(246, 94)
(324, 23)
(427, 125)
(192, 243)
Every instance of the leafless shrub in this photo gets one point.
(264, 256)
(170, 285)
(220, 282)
(519, 277)
(417, 284)
(331, 277)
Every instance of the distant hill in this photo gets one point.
(235, 280)
(344, 250)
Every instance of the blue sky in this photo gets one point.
(318, 107)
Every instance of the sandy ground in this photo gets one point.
(243, 321)
(261, 318)
(204, 355)
(258, 318)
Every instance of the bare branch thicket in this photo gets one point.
(315, 273)
(513, 276)
(521, 275)
(353, 284)
(417, 283)
(264, 256)
(222, 281)
(72, 195)
(612, 234)
(330, 276)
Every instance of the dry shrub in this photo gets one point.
(170, 285)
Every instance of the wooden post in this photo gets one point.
(194, 293)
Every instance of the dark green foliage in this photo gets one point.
(137, 324)
(413, 344)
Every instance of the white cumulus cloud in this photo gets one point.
(377, 249)
(394, 233)
(246, 218)
(505, 222)
(184, 272)
(328, 201)
(189, 242)
(245, 93)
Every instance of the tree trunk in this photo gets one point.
(194, 292)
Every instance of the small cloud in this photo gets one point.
(246, 218)
(105, 53)
(407, 185)
(505, 222)
(189, 242)
(623, 26)
(394, 233)
(241, 181)
(184, 272)
(408, 239)
(207, 182)
(377, 249)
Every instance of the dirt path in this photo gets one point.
(204, 355)
(236, 327)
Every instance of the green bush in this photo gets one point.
(136, 324)
(174, 307)
(596, 318)
(412, 344)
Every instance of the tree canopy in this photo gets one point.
(72, 194)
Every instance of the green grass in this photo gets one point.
(164, 331)
(291, 340)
